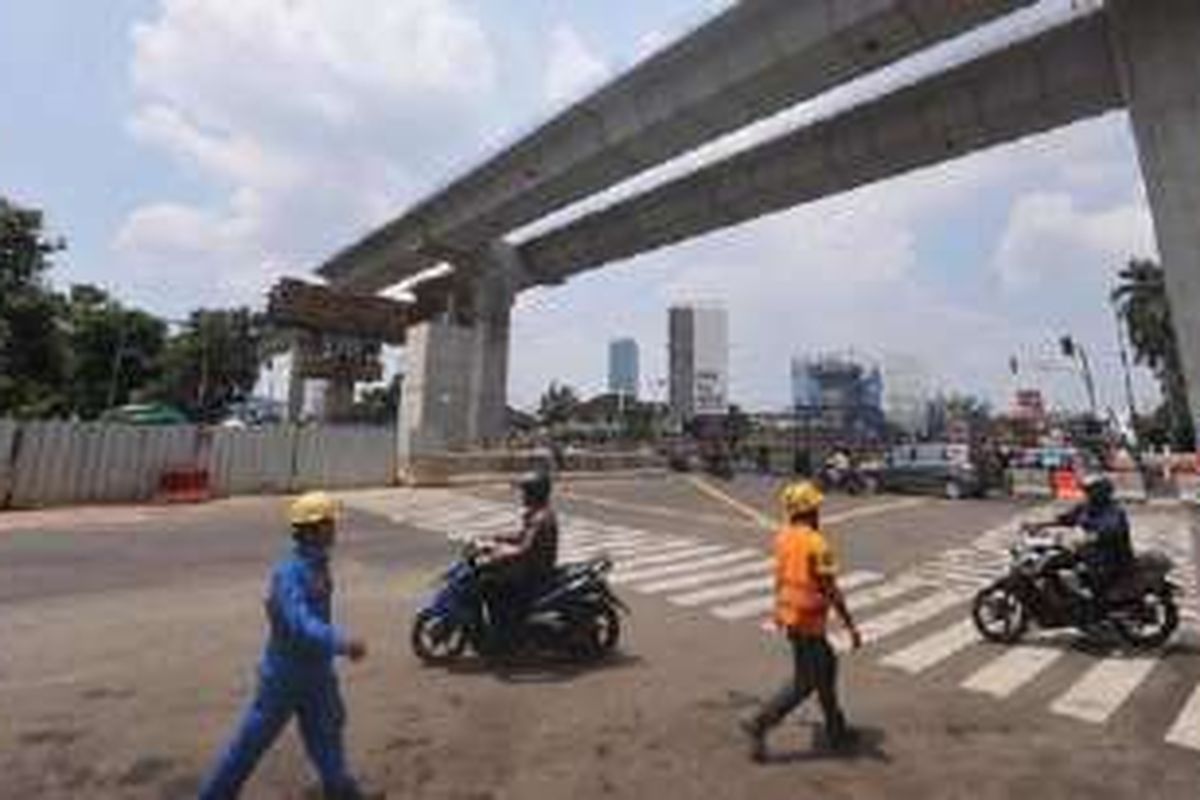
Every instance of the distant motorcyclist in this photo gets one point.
(1107, 554)
(518, 564)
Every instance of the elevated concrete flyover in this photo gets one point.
(1057, 78)
(758, 57)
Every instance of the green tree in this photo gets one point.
(115, 351)
(1141, 299)
(212, 362)
(33, 353)
(558, 405)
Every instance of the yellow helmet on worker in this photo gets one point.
(312, 508)
(801, 497)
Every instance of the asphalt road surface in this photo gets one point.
(128, 639)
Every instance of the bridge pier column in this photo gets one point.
(455, 392)
(1157, 45)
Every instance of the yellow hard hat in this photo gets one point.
(801, 497)
(311, 508)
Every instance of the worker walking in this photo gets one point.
(296, 676)
(805, 589)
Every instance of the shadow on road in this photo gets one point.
(540, 669)
(868, 744)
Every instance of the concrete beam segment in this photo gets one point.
(751, 61)
(1063, 75)
(1157, 45)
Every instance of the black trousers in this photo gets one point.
(814, 669)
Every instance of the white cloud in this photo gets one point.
(313, 123)
(572, 68)
(1049, 237)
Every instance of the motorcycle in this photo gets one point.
(574, 613)
(1140, 606)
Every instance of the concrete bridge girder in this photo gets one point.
(755, 59)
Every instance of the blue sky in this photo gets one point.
(193, 150)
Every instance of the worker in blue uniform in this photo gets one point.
(296, 676)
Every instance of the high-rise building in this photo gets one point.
(623, 368)
(909, 391)
(698, 339)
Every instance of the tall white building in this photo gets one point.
(698, 339)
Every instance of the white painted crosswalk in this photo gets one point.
(926, 605)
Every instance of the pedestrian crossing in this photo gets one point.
(925, 606)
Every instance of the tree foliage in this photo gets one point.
(212, 362)
(33, 352)
(114, 351)
(558, 405)
(1141, 298)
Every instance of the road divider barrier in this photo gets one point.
(1026, 483)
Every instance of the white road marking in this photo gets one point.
(1186, 730)
(665, 557)
(650, 573)
(724, 592)
(898, 619)
(1018, 666)
(860, 600)
(1103, 688)
(934, 649)
(761, 605)
(631, 549)
(701, 578)
(753, 607)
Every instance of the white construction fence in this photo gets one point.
(60, 463)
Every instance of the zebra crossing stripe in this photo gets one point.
(675, 554)
(724, 592)
(934, 649)
(766, 603)
(701, 578)
(1004, 675)
(632, 549)
(1103, 688)
(867, 598)
(1186, 730)
(755, 606)
(650, 573)
(898, 619)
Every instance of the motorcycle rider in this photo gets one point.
(517, 565)
(805, 589)
(1107, 554)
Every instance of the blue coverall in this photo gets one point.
(295, 677)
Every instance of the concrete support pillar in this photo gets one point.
(295, 397)
(339, 399)
(434, 407)
(1157, 45)
(494, 294)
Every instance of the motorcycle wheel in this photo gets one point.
(999, 615)
(599, 634)
(436, 640)
(1149, 622)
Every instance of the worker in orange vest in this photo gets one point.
(805, 589)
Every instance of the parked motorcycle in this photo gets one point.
(573, 614)
(1140, 607)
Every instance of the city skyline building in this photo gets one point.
(698, 352)
(623, 368)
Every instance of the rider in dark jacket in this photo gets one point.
(519, 564)
(1108, 552)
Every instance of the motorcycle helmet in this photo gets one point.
(1098, 488)
(535, 488)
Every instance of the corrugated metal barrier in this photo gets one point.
(61, 463)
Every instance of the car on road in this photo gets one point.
(937, 468)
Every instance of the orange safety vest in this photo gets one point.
(802, 558)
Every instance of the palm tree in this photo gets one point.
(1141, 299)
